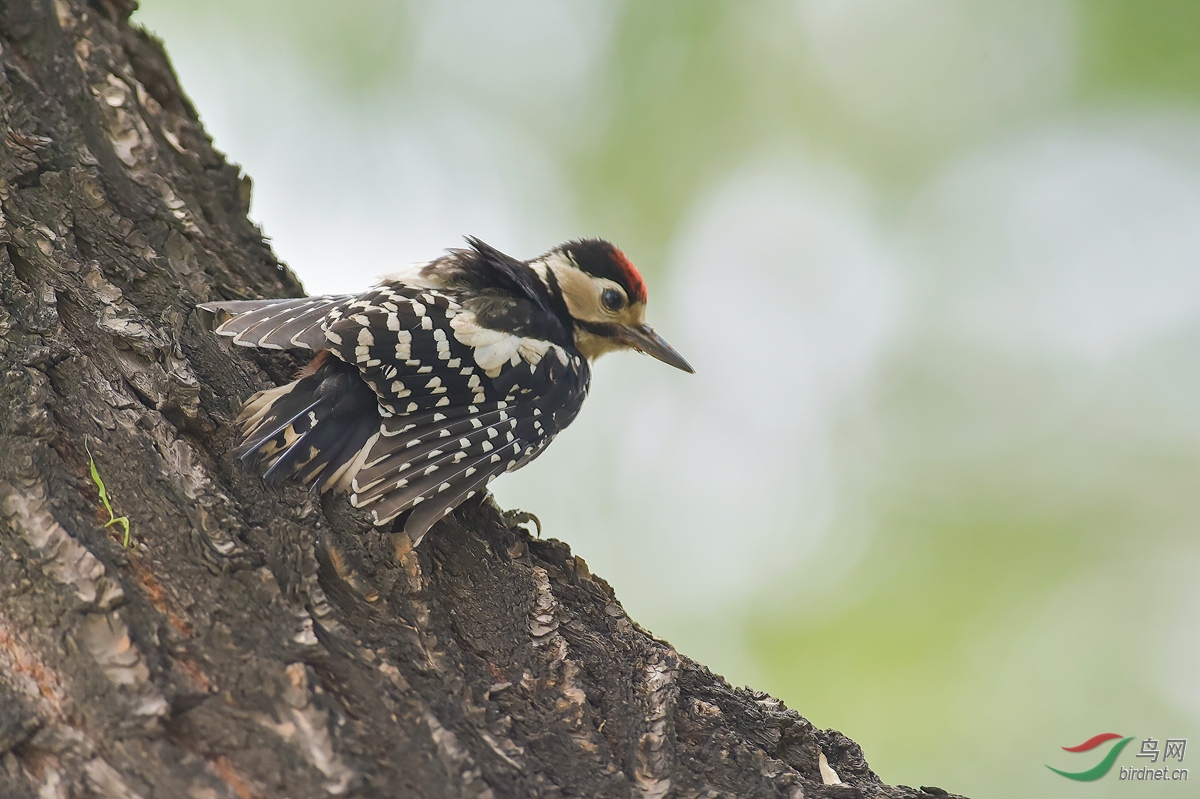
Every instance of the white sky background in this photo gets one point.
(1046, 233)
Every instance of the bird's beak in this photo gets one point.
(644, 339)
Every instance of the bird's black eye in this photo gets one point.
(613, 300)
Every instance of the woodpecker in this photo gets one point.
(440, 378)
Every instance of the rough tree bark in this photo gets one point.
(252, 643)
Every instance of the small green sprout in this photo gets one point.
(112, 517)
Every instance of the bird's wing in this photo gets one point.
(461, 404)
(276, 324)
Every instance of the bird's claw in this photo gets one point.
(515, 518)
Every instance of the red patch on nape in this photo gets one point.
(633, 278)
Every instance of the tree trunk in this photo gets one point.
(251, 642)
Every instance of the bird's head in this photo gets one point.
(605, 297)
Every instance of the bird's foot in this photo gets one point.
(515, 518)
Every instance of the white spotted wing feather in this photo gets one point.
(461, 403)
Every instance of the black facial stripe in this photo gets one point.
(602, 329)
(555, 296)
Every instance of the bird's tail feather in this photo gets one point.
(313, 428)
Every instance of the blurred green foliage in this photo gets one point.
(1143, 49)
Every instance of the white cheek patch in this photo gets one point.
(583, 292)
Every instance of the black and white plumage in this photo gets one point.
(437, 380)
